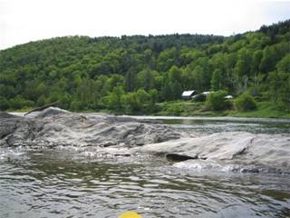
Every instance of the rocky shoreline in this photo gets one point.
(53, 127)
(124, 136)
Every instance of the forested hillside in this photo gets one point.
(132, 73)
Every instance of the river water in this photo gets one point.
(71, 182)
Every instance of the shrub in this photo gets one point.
(216, 101)
(199, 97)
(175, 109)
(19, 103)
(245, 102)
(4, 104)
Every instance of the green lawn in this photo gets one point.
(264, 109)
(189, 108)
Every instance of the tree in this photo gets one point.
(113, 100)
(267, 63)
(167, 59)
(137, 102)
(130, 103)
(146, 79)
(284, 64)
(216, 80)
(216, 101)
(4, 104)
(82, 72)
(280, 88)
(130, 79)
(244, 61)
(245, 102)
(175, 74)
(200, 80)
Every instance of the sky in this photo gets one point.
(23, 21)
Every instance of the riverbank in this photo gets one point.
(188, 108)
(193, 109)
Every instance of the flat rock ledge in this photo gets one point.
(56, 127)
(128, 137)
(227, 151)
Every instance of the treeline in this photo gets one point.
(132, 73)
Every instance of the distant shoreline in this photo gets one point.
(176, 117)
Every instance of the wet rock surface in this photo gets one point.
(123, 137)
(233, 150)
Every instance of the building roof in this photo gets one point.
(229, 97)
(207, 93)
(188, 93)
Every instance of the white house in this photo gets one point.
(188, 94)
(229, 97)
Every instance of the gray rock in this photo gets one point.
(53, 126)
(4, 115)
(232, 150)
(50, 111)
(125, 137)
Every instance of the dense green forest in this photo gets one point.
(132, 74)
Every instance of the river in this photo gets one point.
(72, 182)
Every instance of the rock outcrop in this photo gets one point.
(127, 137)
(53, 127)
(236, 151)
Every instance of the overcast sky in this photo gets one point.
(22, 21)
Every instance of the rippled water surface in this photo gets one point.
(71, 183)
(226, 124)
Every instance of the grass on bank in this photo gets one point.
(189, 108)
(264, 110)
